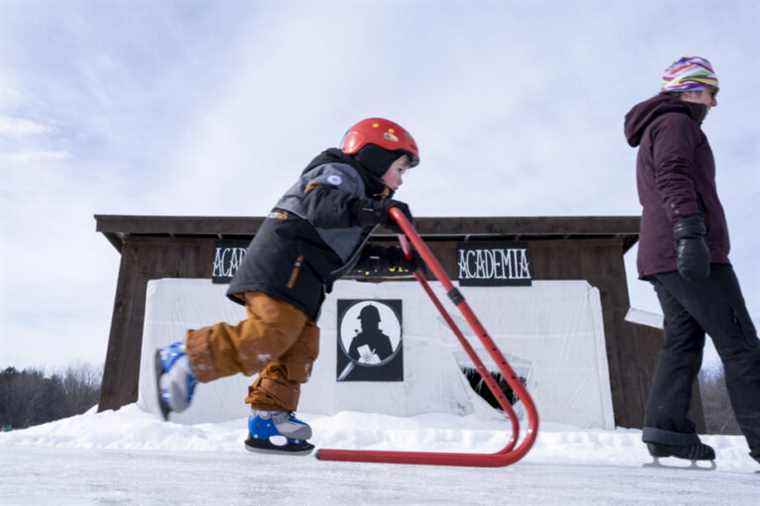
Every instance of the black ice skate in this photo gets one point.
(695, 453)
(756, 455)
(291, 447)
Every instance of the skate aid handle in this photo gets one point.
(511, 452)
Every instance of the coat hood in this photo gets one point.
(644, 113)
(374, 185)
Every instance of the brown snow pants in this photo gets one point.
(277, 340)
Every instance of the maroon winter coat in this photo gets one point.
(675, 176)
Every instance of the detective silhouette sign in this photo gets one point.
(370, 345)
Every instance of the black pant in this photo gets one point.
(692, 308)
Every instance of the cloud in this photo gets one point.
(10, 95)
(58, 275)
(32, 157)
(171, 109)
(20, 127)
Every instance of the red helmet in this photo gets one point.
(381, 132)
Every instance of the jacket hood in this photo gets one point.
(375, 186)
(644, 113)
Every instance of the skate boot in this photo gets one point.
(278, 432)
(695, 452)
(175, 381)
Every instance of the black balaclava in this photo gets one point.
(377, 160)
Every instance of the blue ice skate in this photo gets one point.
(175, 381)
(278, 432)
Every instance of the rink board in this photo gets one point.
(551, 333)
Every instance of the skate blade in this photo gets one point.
(267, 447)
(159, 369)
(693, 467)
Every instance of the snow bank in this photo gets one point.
(130, 428)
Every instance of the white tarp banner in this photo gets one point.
(551, 333)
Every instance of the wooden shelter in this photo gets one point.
(561, 248)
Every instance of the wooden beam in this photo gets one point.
(541, 226)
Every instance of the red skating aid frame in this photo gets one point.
(511, 453)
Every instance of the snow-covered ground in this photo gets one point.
(131, 457)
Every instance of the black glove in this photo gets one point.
(370, 212)
(376, 261)
(693, 255)
(398, 261)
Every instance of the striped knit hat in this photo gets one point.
(689, 73)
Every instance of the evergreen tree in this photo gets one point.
(29, 398)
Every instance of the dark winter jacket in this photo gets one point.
(310, 238)
(675, 176)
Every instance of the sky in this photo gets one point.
(213, 108)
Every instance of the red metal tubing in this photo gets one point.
(507, 455)
(479, 366)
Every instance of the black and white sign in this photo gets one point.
(370, 345)
(228, 256)
(494, 264)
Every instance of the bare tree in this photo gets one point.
(81, 386)
(719, 415)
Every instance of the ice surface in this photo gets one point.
(131, 457)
